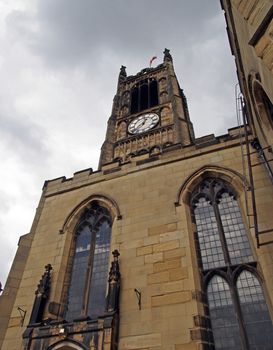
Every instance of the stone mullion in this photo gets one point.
(233, 289)
(88, 276)
(221, 232)
(239, 316)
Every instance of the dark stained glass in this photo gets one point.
(79, 271)
(208, 236)
(222, 315)
(268, 105)
(100, 271)
(238, 312)
(88, 283)
(236, 237)
(255, 312)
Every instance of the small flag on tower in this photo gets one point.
(152, 59)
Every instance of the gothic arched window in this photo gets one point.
(144, 95)
(237, 309)
(263, 105)
(268, 106)
(89, 268)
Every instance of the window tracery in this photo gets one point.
(88, 282)
(237, 307)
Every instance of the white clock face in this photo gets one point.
(143, 123)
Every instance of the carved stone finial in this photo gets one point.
(116, 254)
(41, 296)
(167, 55)
(122, 73)
(114, 284)
(44, 284)
(114, 273)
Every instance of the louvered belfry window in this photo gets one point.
(144, 95)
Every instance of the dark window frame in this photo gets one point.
(101, 215)
(229, 272)
(144, 95)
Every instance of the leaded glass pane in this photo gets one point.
(100, 271)
(79, 271)
(255, 312)
(222, 315)
(237, 241)
(208, 236)
(88, 283)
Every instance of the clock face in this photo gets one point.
(143, 123)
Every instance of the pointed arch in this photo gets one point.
(262, 104)
(223, 318)
(104, 200)
(68, 344)
(88, 264)
(216, 272)
(237, 181)
(236, 303)
(247, 267)
(255, 312)
(88, 228)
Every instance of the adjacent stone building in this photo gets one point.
(188, 220)
(250, 32)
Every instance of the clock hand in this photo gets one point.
(141, 124)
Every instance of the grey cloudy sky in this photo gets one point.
(59, 62)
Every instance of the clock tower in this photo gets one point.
(149, 115)
(181, 218)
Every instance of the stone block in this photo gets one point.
(153, 258)
(144, 250)
(178, 274)
(156, 230)
(167, 265)
(164, 246)
(174, 253)
(169, 236)
(140, 341)
(150, 240)
(15, 321)
(188, 346)
(172, 287)
(172, 227)
(171, 298)
(158, 277)
(128, 244)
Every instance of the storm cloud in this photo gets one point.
(59, 64)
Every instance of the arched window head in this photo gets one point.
(144, 95)
(222, 238)
(66, 345)
(255, 313)
(223, 318)
(89, 266)
(237, 308)
(263, 105)
(268, 106)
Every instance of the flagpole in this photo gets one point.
(152, 59)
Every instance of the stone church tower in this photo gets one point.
(186, 272)
(149, 115)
